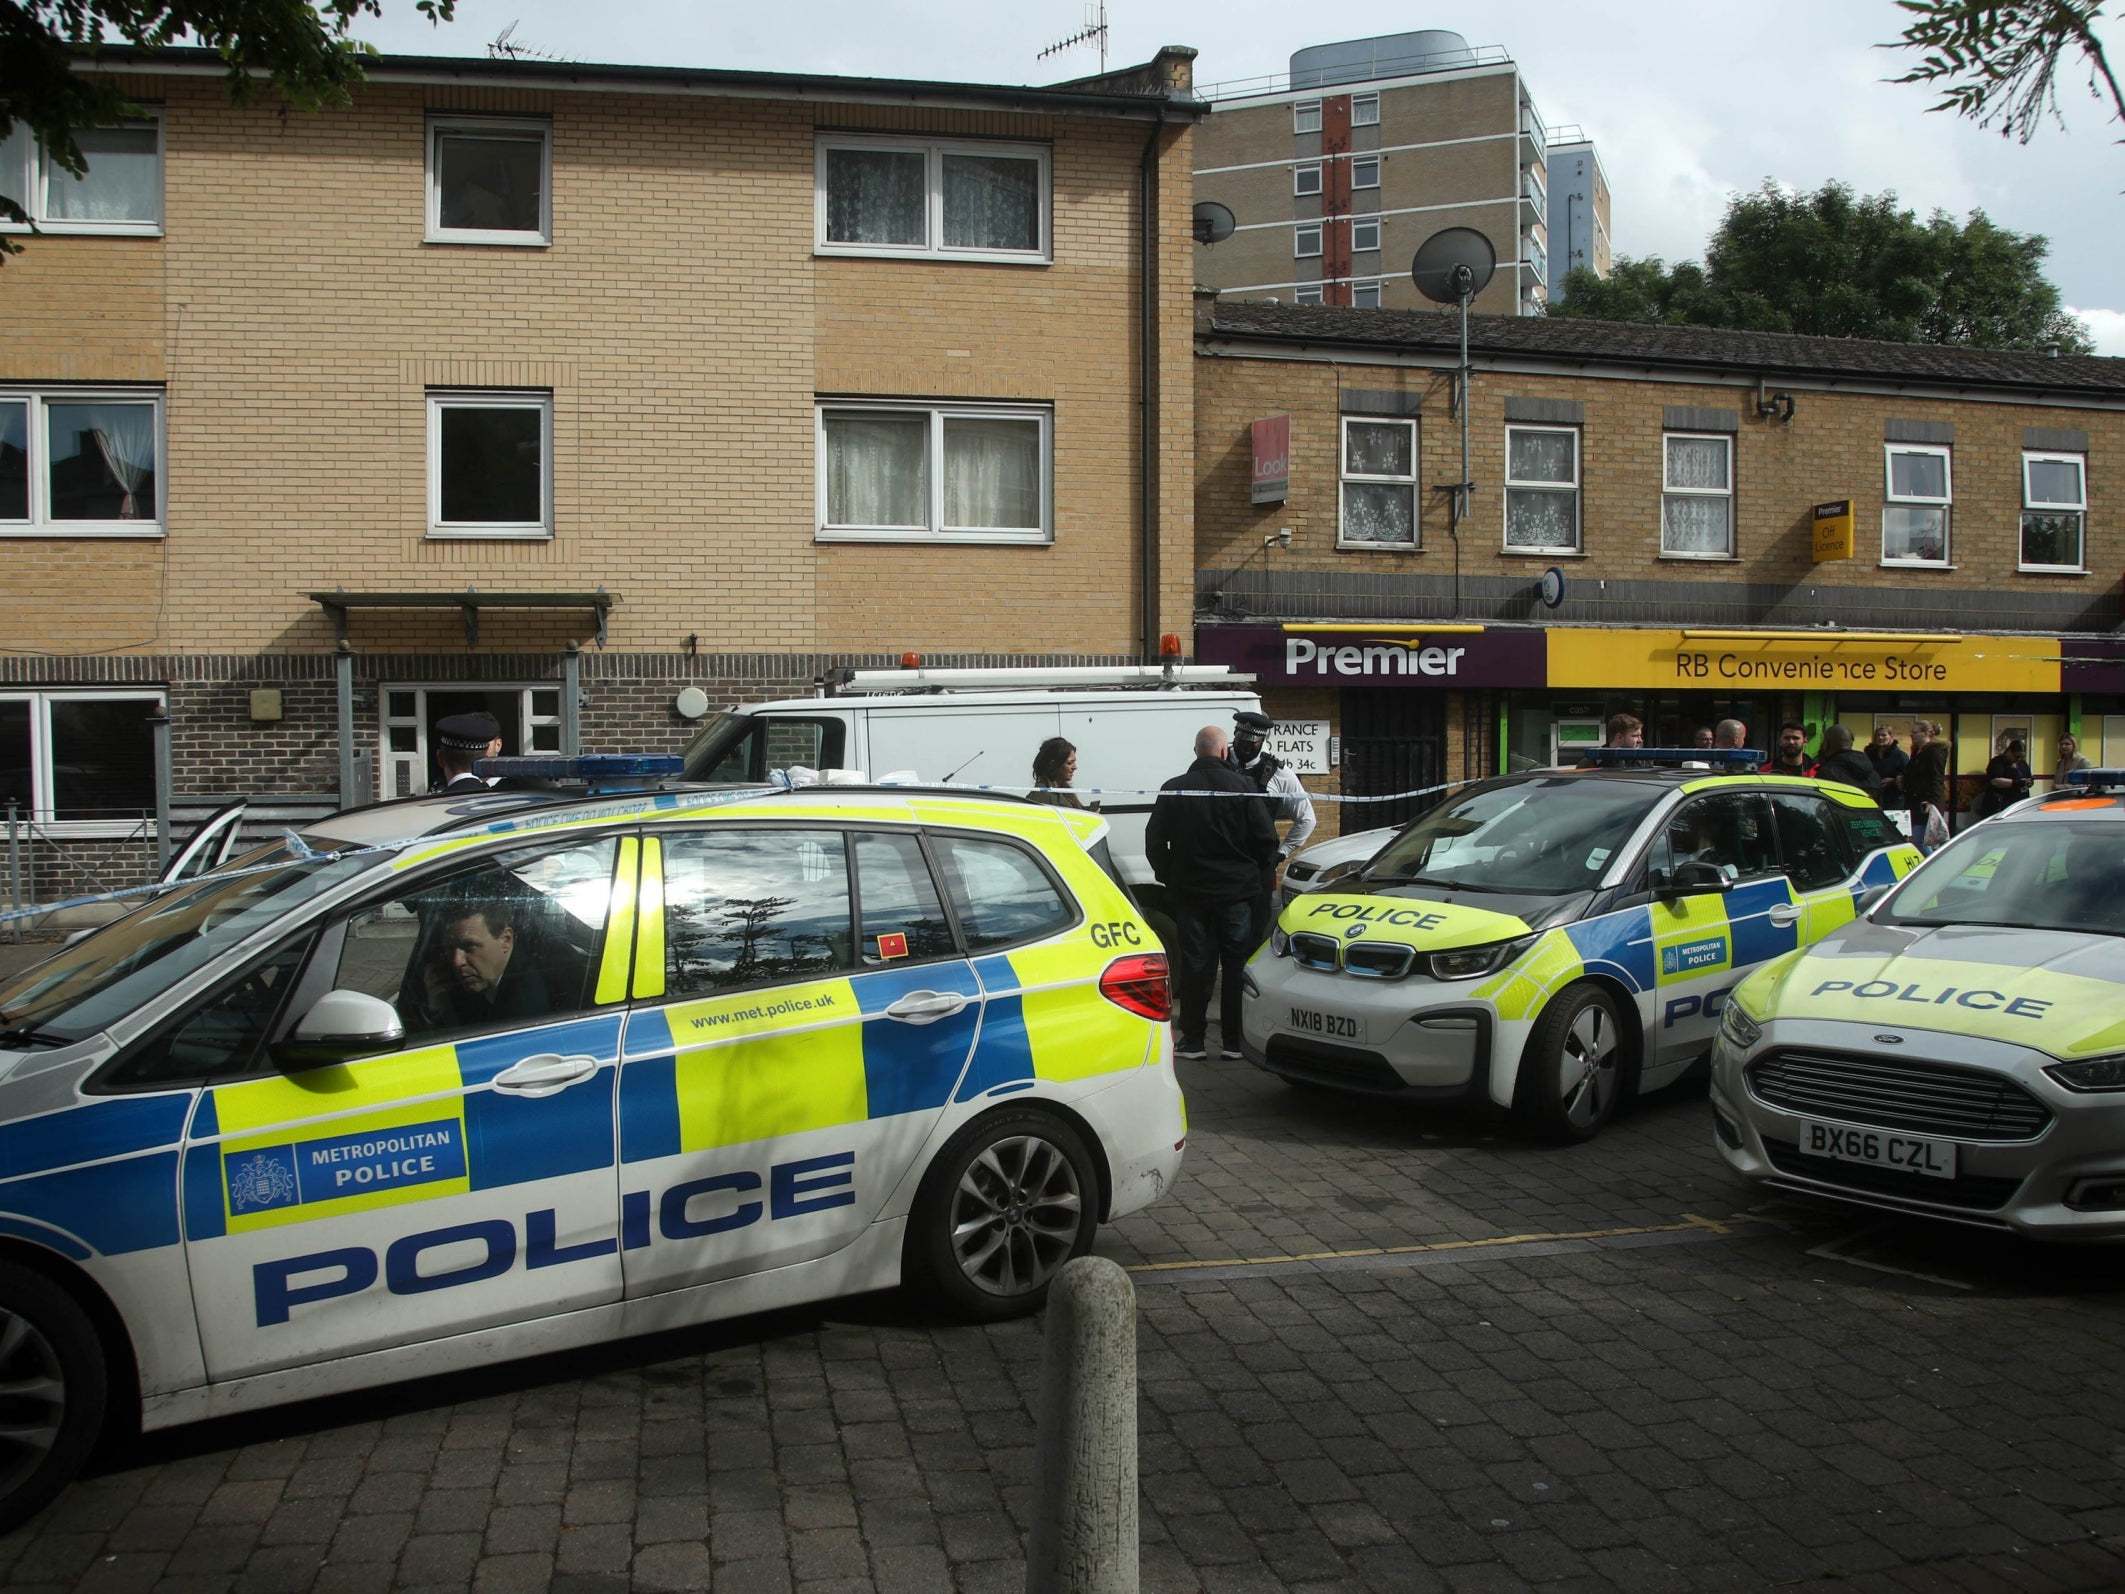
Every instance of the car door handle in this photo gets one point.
(545, 1074)
(1784, 913)
(926, 1007)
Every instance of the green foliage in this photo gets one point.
(1997, 61)
(1834, 264)
(305, 51)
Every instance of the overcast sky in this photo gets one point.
(1684, 112)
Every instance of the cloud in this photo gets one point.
(2107, 327)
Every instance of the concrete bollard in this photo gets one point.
(1084, 1502)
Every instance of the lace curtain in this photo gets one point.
(1691, 523)
(1541, 517)
(877, 196)
(124, 181)
(991, 202)
(877, 470)
(96, 447)
(992, 475)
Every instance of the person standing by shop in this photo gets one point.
(1288, 801)
(1054, 771)
(1791, 758)
(2007, 781)
(1926, 777)
(1888, 760)
(1842, 761)
(1209, 850)
(2071, 757)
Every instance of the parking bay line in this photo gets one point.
(1692, 1230)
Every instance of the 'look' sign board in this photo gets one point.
(1272, 460)
(1302, 745)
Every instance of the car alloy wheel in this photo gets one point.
(32, 1400)
(1016, 1214)
(1586, 1066)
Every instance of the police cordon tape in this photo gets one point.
(301, 852)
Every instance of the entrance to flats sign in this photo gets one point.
(1391, 657)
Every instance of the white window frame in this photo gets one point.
(936, 531)
(1667, 491)
(1358, 179)
(2032, 506)
(1308, 294)
(441, 399)
(1305, 116)
(1512, 483)
(933, 151)
(1299, 174)
(42, 806)
(34, 181)
(40, 522)
(1344, 478)
(1299, 251)
(1359, 105)
(515, 129)
(1945, 503)
(1357, 231)
(1372, 287)
(415, 763)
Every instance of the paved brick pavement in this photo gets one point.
(1692, 1395)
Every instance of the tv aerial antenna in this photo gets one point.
(1093, 32)
(1452, 267)
(506, 46)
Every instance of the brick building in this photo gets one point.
(1662, 485)
(553, 389)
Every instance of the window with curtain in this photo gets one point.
(81, 463)
(899, 196)
(2054, 507)
(897, 473)
(489, 180)
(487, 464)
(1697, 497)
(1306, 116)
(121, 191)
(1918, 495)
(1379, 487)
(1364, 110)
(1542, 489)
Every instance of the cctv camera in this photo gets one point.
(1283, 535)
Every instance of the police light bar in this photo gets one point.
(2095, 777)
(1716, 757)
(591, 767)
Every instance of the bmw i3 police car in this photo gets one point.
(1958, 1051)
(450, 1080)
(1550, 940)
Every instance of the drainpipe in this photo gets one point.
(1147, 562)
(343, 673)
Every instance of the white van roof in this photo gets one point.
(1017, 697)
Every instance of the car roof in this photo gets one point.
(2070, 803)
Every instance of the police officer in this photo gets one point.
(462, 740)
(1268, 775)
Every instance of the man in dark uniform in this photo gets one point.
(1287, 800)
(477, 972)
(1210, 852)
(461, 741)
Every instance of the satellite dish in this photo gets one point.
(1213, 222)
(1453, 265)
(1552, 588)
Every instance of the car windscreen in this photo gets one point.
(90, 985)
(1538, 837)
(2049, 874)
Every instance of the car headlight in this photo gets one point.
(1472, 962)
(1336, 871)
(2091, 1073)
(1279, 942)
(1736, 1028)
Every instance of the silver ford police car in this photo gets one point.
(457, 1079)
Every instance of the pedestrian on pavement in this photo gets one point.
(1791, 758)
(1288, 801)
(1730, 733)
(1925, 775)
(1209, 851)
(1888, 760)
(462, 740)
(1842, 761)
(2071, 757)
(1705, 737)
(1623, 730)
(1054, 771)
(2007, 781)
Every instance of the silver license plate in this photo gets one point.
(1878, 1148)
(1328, 1026)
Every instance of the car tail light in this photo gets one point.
(1140, 984)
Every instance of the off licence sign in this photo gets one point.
(1833, 530)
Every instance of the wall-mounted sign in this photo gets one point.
(1272, 459)
(1589, 656)
(1396, 657)
(1302, 745)
(1833, 530)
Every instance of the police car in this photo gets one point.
(455, 1079)
(1548, 941)
(1959, 1050)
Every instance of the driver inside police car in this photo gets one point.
(477, 971)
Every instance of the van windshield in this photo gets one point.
(737, 748)
(724, 748)
(1537, 837)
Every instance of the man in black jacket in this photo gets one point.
(1841, 761)
(1209, 853)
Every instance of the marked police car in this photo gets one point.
(1551, 940)
(546, 1071)
(1959, 1050)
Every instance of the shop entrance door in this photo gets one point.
(1392, 742)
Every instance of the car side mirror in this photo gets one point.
(341, 1025)
(1868, 898)
(1689, 878)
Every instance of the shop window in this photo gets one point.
(81, 763)
(2054, 511)
(1697, 496)
(1919, 495)
(1379, 486)
(1542, 489)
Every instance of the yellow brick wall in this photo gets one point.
(683, 326)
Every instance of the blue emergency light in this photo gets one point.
(597, 771)
(1728, 758)
(2096, 778)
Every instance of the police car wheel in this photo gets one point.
(1008, 1201)
(52, 1389)
(1573, 1068)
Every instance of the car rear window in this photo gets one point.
(1000, 892)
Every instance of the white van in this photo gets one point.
(1134, 727)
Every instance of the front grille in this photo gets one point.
(1379, 960)
(1924, 1098)
(1314, 951)
(1976, 1193)
(1331, 1064)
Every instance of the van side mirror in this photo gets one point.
(341, 1025)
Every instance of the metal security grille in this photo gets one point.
(1924, 1098)
(1392, 742)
